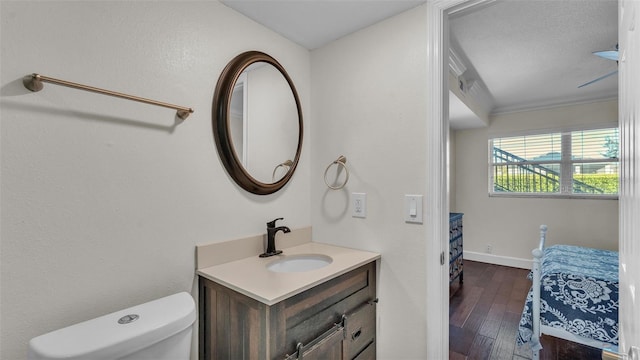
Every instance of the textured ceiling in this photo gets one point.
(527, 53)
(537, 53)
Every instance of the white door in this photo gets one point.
(629, 113)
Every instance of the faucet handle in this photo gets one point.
(272, 224)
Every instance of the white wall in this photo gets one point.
(369, 96)
(511, 224)
(103, 199)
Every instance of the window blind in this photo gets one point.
(578, 163)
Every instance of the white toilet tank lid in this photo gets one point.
(105, 338)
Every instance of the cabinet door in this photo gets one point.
(360, 331)
(329, 348)
(306, 316)
(232, 326)
(369, 353)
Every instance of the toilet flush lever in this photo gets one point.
(128, 319)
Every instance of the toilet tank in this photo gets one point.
(159, 329)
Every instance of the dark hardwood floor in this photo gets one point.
(484, 313)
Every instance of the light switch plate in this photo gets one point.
(413, 209)
(359, 205)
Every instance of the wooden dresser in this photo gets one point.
(455, 247)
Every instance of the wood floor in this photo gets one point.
(484, 314)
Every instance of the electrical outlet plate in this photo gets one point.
(359, 205)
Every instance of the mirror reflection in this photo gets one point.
(257, 122)
(263, 122)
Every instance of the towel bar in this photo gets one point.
(34, 82)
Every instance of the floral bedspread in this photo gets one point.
(579, 293)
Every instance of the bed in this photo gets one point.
(574, 296)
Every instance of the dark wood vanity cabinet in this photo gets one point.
(333, 320)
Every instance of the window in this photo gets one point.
(567, 164)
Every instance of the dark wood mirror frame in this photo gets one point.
(221, 125)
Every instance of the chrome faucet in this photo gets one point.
(271, 237)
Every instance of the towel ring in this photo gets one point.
(340, 161)
(286, 164)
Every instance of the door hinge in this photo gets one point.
(610, 355)
(634, 353)
(442, 258)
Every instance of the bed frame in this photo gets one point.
(538, 329)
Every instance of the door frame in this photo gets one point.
(437, 189)
(629, 198)
(437, 204)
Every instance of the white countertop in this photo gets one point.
(251, 277)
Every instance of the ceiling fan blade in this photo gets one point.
(607, 54)
(598, 79)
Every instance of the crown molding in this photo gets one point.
(544, 105)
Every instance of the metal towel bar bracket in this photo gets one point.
(34, 82)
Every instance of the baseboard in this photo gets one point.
(497, 259)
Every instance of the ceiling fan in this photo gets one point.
(605, 54)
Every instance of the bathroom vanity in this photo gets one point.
(299, 300)
(250, 312)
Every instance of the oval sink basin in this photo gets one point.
(300, 263)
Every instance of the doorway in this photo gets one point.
(438, 138)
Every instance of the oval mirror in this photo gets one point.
(257, 122)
